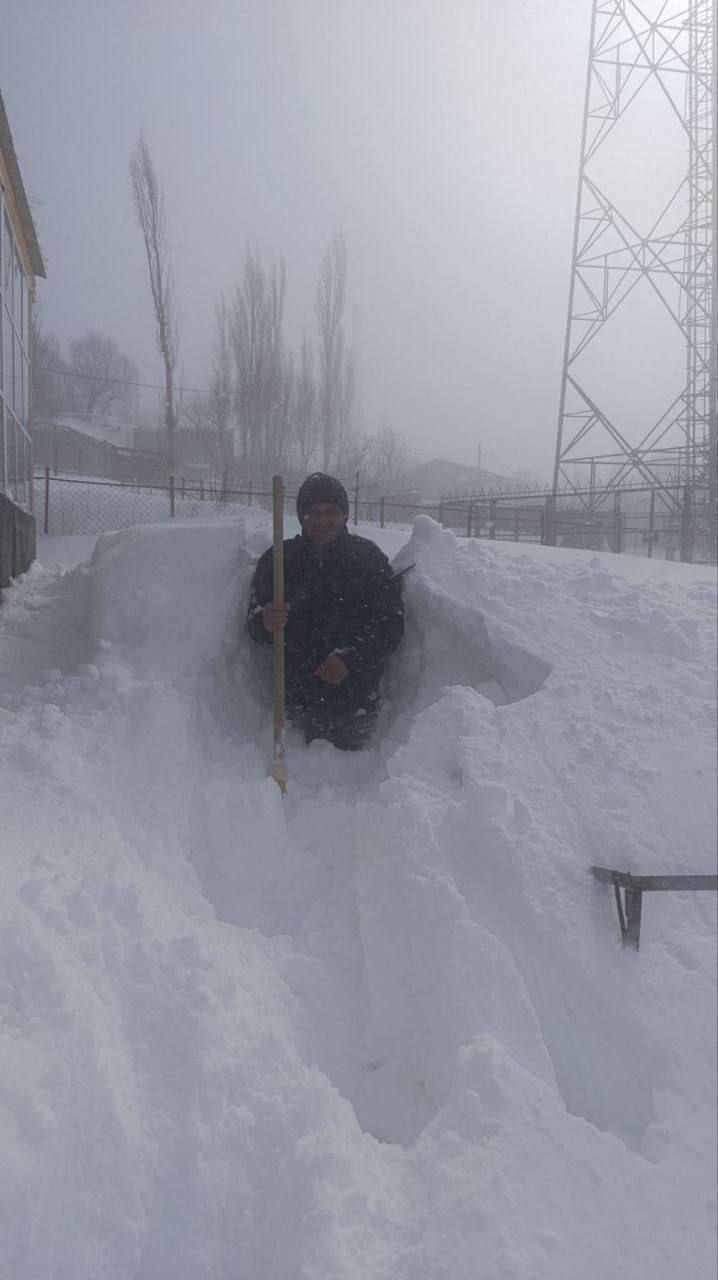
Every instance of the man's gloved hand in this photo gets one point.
(333, 670)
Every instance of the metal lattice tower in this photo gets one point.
(664, 48)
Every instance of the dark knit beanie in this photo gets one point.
(321, 488)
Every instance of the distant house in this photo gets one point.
(20, 264)
(80, 444)
(87, 445)
(436, 479)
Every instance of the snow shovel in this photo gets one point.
(279, 767)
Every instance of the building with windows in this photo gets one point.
(20, 264)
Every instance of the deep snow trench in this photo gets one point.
(296, 881)
(354, 1028)
(385, 1026)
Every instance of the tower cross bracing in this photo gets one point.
(669, 50)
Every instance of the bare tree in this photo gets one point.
(50, 389)
(220, 407)
(305, 423)
(150, 209)
(282, 417)
(385, 465)
(336, 380)
(263, 373)
(101, 377)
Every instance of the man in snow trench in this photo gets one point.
(342, 617)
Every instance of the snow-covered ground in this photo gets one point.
(384, 1028)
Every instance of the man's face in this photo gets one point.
(322, 522)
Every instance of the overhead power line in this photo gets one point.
(120, 382)
(205, 391)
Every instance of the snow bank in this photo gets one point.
(384, 1028)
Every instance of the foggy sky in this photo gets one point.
(443, 138)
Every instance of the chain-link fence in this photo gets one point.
(72, 504)
(641, 521)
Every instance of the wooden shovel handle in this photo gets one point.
(278, 766)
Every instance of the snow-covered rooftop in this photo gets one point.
(95, 428)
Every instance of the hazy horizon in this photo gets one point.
(444, 143)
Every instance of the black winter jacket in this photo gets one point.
(347, 602)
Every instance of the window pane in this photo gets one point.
(23, 470)
(26, 318)
(19, 465)
(7, 357)
(25, 367)
(7, 264)
(17, 290)
(10, 434)
(17, 379)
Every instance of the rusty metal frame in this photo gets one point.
(630, 910)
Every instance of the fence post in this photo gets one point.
(687, 526)
(441, 512)
(549, 522)
(381, 513)
(356, 500)
(492, 518)
(592, 486)
(201, 489)
(542, 526)
(47, 500)
(617, 524)
(651, 522)
(172, 496)
(517, 525)
(469, 519)
(249, 494)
